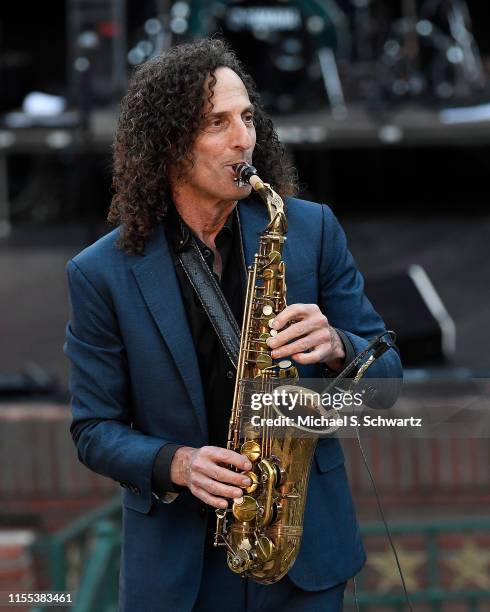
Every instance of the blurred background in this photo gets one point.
(385, 108)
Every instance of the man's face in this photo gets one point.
(227, 137)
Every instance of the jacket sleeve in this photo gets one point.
(347, 308)
(101, 395)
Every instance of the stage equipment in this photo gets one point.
(409, 303)
(430, 51)
(291, 48)
(96, 35)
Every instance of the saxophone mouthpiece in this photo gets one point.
(246, 174)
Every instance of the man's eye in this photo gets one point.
(217, 122)
(249, 118)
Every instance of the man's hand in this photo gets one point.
(311, 332)
(201, 470)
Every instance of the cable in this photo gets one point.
(378, 346)
(355, 593)
(380, 508)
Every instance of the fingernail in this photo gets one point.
(248, 466)
(246, 482)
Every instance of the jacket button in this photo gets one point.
(203, 510)
(229, 374)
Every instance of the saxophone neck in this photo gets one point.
(275, 204)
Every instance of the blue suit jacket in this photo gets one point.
(136, 386)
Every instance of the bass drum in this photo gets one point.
(279, 43)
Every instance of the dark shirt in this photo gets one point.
(217, 371)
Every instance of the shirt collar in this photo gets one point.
(180, 234)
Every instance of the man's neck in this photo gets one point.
(205, 221)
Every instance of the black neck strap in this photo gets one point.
(212, 299)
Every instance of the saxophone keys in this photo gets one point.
(280, 474)
(276, 511)
(275, 257)
(267, 320)
(263, 361)
(251, 450)
(264, 549)
(239, 561)
(267, 310)
(255, 482)
(287, 369)
(263, 339)
(245, 509)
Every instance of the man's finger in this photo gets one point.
(290, 313)
(229, 457)
(315, 356)
(296, 330)
(210, 500)
(300, 346)
(218, 489)
(221, 474)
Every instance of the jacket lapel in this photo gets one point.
(158, 283)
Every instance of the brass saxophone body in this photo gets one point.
(262, 530)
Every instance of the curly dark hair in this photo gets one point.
(161, 116)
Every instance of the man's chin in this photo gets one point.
(235, 193)
(243, 192)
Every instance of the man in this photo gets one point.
(152, 386)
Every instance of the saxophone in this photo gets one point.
(262, 529)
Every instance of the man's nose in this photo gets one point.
(242, 135)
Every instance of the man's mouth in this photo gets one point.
(237, 163)
(233, 167)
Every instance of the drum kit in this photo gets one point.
(309, 54)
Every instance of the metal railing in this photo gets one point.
(85, 557)
(434, 576)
